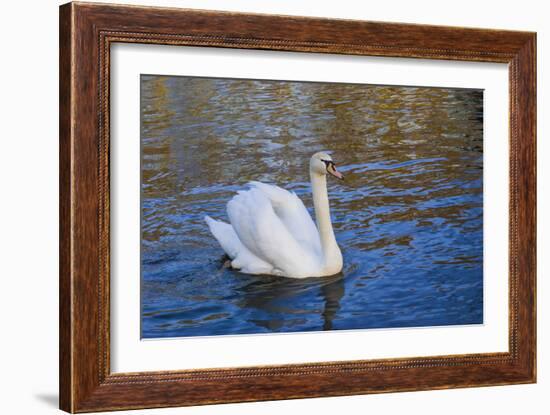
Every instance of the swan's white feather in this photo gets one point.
(226, 236)
(294, 215)
(263, 233)
(241, 257)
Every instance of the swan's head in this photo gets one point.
(321, 163)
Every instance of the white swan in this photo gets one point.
(271, 231)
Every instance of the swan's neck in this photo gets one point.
(332, 256)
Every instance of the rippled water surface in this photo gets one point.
(408, 217)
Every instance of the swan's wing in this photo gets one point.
(241, 257)
(264, 234)
(292, 212)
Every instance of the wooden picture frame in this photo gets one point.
(86, 33)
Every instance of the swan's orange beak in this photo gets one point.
(331, 168)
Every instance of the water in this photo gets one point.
(408, 217)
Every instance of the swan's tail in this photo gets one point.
(226, 236)
(241, 257)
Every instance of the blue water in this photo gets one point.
(408, 217)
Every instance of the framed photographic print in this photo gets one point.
(260, 207)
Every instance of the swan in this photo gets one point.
(271, 232)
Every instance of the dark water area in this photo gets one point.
(408, 218)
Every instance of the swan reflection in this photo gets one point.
(284, 304)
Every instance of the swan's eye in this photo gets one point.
(329, 163)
